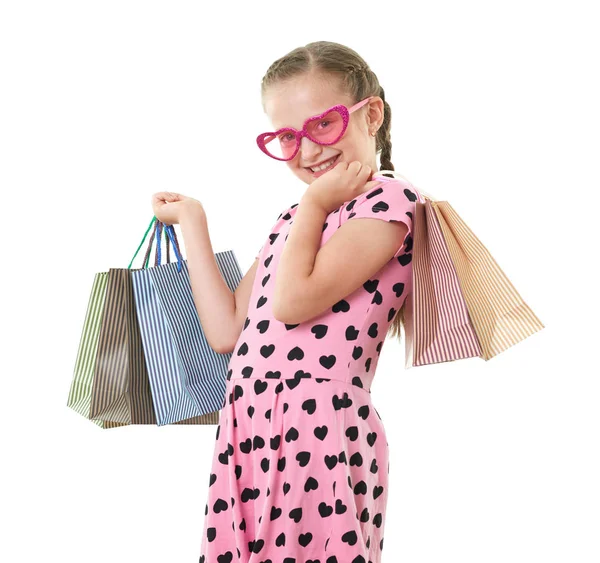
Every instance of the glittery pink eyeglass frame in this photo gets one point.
(341, 109)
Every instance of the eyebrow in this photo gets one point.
(306, 119)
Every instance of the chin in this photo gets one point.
(301, 175)
(304, 175)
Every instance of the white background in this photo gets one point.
(495, 108)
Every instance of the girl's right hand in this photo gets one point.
(344, 182)
(168, 206)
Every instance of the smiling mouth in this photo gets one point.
(331, 162)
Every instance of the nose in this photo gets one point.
(309, 149)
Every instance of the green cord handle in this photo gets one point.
(141, 244)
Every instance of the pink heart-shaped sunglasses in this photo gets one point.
(326, 128)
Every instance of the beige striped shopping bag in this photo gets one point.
(462, 305)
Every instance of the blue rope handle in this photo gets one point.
(169, 229)
(158, 245)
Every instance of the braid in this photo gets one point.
(384, 140)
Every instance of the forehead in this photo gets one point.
(290, 103)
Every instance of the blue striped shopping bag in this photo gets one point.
(187, 377)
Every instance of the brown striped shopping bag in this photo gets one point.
(110, 383)
(461, 305)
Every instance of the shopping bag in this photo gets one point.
(437, 323)
(461, 304)
(120, 386)
(209, 418)
(187, 377)
(80, 392)
(110, 384)
(100, 386)
(498, 313)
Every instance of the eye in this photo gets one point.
(324, 121)
(286, 138)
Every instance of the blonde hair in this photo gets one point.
(357, 79)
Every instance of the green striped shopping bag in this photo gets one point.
(80, 393)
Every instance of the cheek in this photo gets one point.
(294, 167)
(301, 173)
(355, 146)
(349, 146)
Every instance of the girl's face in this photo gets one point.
(291, 103)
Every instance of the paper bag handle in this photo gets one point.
(169, 234)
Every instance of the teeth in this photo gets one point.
(324, 165)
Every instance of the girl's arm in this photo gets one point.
(242, 299)
(309, 280)
(221, 312)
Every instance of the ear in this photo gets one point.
(375, 112)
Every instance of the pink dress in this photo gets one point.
(300, 465)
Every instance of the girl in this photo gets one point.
(300, 465)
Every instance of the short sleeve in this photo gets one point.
(391, 201)
(272, 229)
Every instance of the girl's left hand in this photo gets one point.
(168, 206)
(342, 183)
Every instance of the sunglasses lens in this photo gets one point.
(326, 129)
(282, 145)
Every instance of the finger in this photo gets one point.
(167, 196)
(355, 166)
(363, 174)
